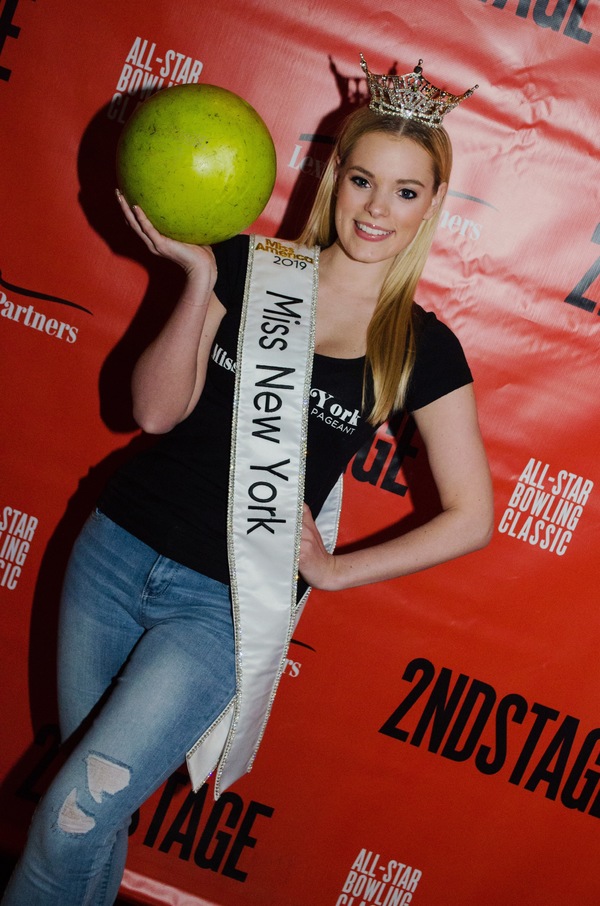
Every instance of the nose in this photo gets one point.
(377, 204)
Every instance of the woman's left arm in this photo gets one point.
(450, 431)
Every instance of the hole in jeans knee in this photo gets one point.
(105, 776)
(72, 819)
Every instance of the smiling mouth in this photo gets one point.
(371, 231)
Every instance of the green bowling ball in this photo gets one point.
(199, 161)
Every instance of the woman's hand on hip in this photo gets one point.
(317, 565)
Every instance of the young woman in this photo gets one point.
(147, 631)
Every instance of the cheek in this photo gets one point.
(344, 195)
(412, 220)
(422, 211)
(343, 208)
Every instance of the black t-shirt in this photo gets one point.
(173, 496)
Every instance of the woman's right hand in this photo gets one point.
(169, 375)
(187, 255)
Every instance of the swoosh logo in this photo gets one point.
(11, 287)
(472, 198)
(302, 644)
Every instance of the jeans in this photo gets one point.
(147, 645)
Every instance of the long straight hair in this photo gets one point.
(391, 346)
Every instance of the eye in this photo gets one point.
(407, 193)
(360, 181)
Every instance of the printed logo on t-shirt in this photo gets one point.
(326, 408)
(220, 357)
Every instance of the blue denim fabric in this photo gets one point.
(149, 645)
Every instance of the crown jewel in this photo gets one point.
(411, 96)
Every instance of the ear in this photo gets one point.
(437, 201)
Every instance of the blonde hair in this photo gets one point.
(391, 346)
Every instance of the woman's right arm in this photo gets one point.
(169, 376)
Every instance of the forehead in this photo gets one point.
(398, 156)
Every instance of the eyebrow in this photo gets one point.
(399, 182)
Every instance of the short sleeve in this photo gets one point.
(440, 364)
(232, 260)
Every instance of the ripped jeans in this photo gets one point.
(147, 644)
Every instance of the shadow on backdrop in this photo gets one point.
(312, 150)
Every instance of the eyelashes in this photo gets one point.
(363, 183)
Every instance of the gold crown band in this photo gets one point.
(411, 96)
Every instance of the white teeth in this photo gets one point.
(371, 231)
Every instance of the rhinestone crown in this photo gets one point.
(411, 96)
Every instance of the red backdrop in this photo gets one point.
(436, 739)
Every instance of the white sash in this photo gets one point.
(266, 493)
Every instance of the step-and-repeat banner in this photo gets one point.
(436, 739)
